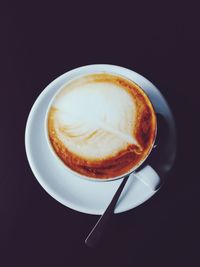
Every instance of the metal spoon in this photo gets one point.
(96, 233)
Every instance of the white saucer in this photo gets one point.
(83, 195)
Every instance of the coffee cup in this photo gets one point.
(101, 125)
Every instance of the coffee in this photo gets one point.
(101, 125)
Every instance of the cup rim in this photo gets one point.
(83, 73)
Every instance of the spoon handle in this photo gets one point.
(97, 231)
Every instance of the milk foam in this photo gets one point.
(95, 120)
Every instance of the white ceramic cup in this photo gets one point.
(147, 174)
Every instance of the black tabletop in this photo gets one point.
(41, 41)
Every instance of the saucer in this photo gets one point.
(88, 196)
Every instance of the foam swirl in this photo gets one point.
(101, 125)
(95, 120)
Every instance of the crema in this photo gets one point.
(101, 125)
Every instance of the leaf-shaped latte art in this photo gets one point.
(96, 120)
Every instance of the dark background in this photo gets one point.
(42, 41)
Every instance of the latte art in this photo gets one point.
(95, 120)
(94, 125)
